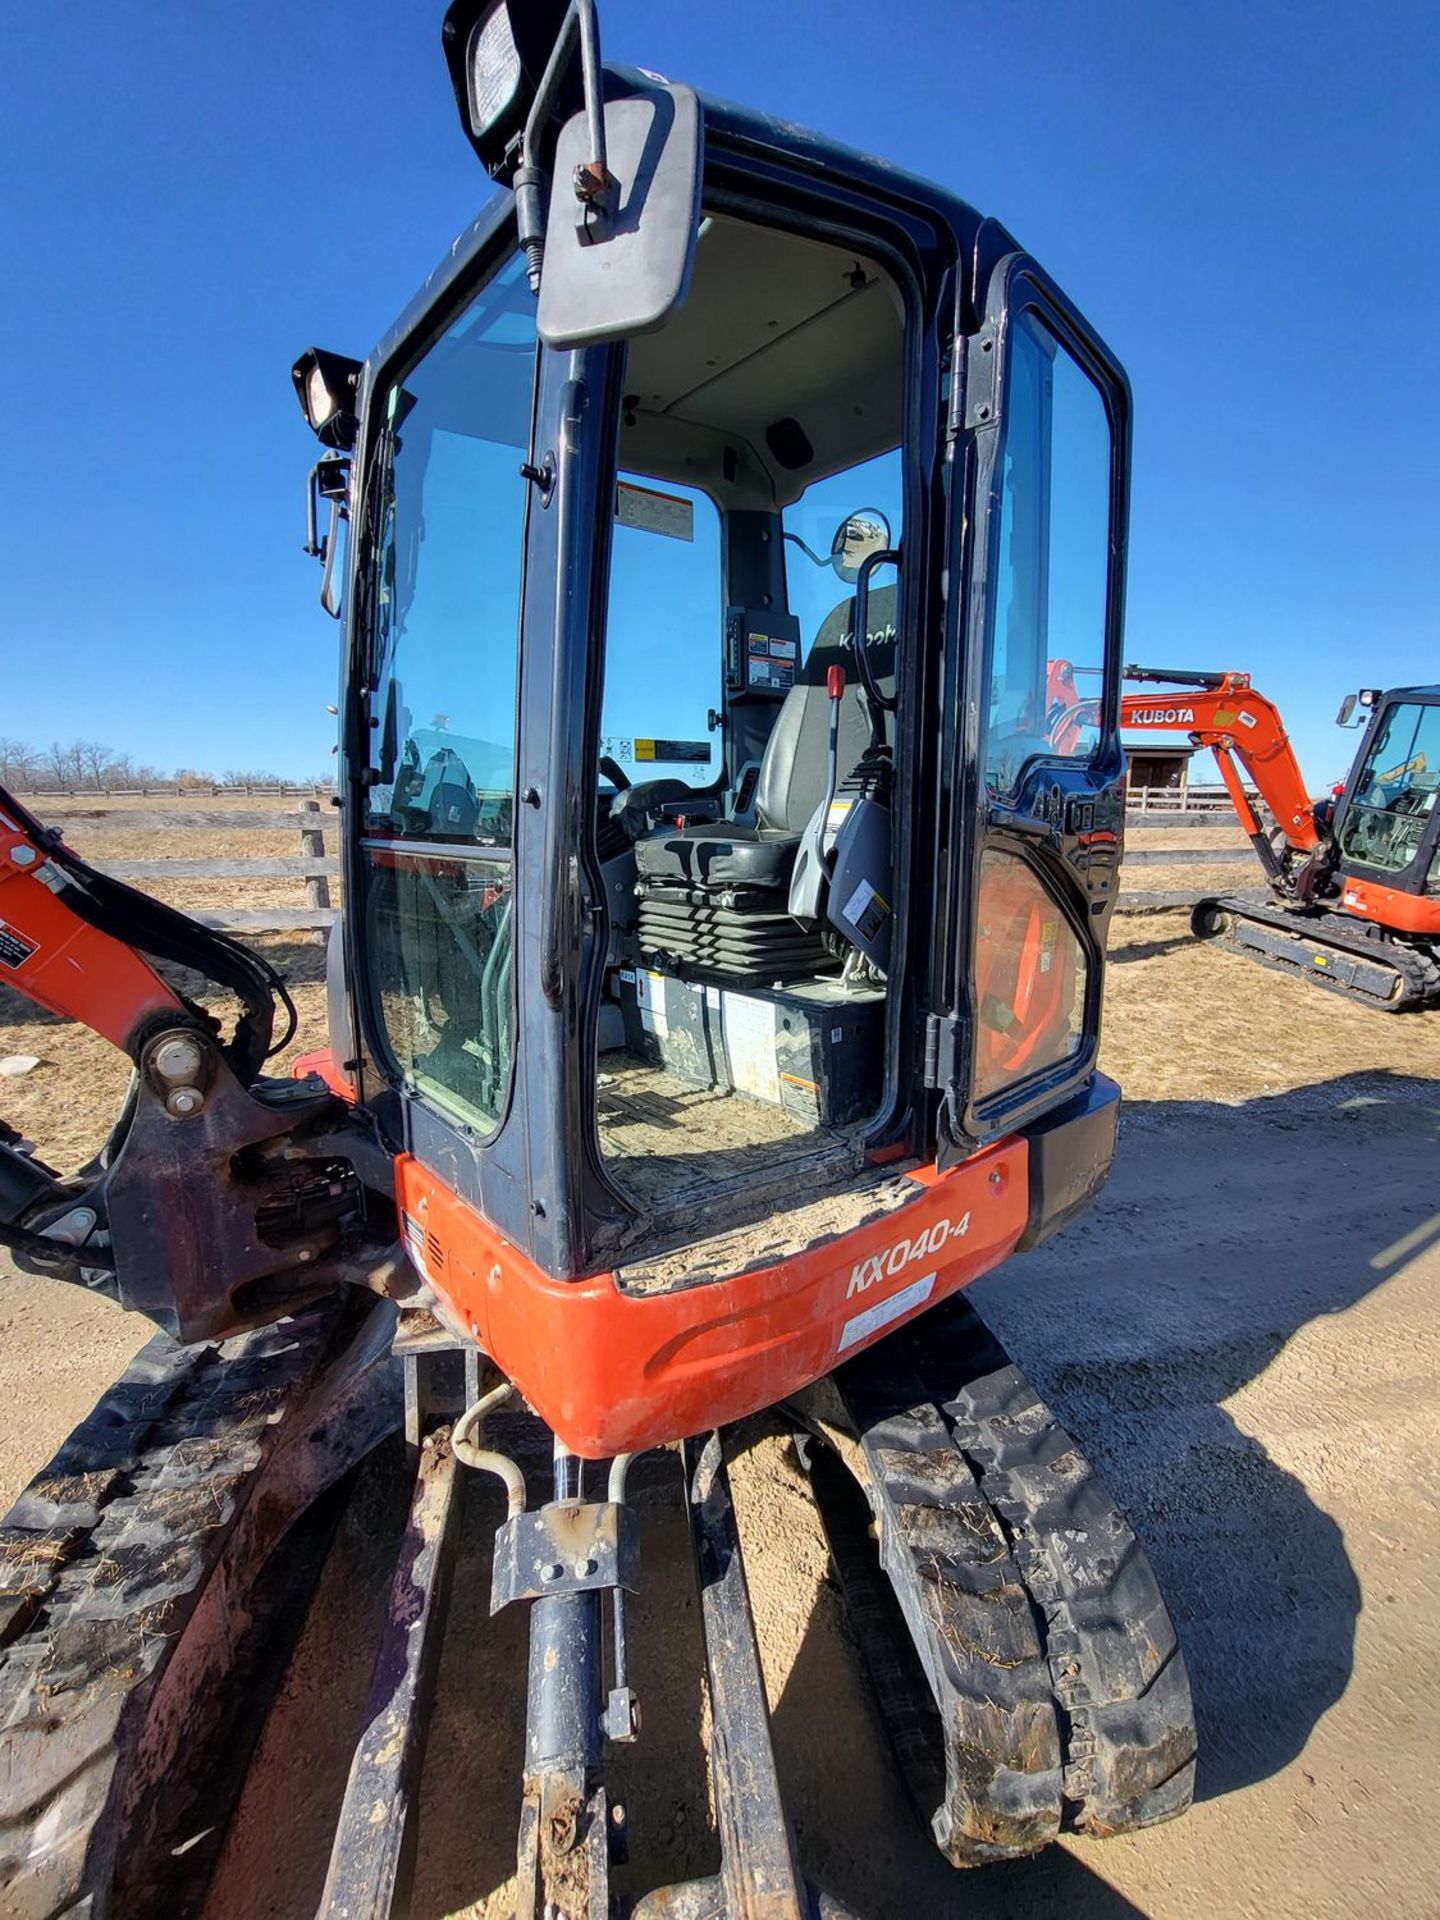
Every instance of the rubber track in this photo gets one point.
(109, 1613)
(1117, 1670)
(1060, 1687)
(1417, 969)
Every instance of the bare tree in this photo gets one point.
(253, 777)
(63, 765)
(19, 763)
(94, 760)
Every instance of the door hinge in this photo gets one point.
(942, 1046)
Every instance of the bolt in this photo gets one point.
(24, 856)
(305, 1253)
(997, 1178)
(183, 1102)
(553, 1572)
(177, 1061)
(75, 1227)
(584, 1569)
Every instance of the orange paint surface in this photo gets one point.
(1405, 912)
(60, 961)
(612, 1372)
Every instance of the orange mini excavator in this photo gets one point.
(1354, 899)
(716, 994)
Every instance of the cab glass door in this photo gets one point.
(437, 838)
(1050, 425)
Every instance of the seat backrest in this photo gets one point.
(792, 772)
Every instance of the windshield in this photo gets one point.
(445, 588)
(1395, 792)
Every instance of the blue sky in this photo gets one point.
(1243, 199)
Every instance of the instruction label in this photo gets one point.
(681, 752)
(770, 662)
(669, 514)
(866, 910)
(749, 1030)
(15, 949)
(650, 999)
(861, 1325)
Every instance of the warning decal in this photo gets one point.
(681, 752)
(15, 949)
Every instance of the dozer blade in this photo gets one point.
(152, 1579)
(1343, 955)
(1021, 1652)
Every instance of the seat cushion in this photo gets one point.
(717, 853)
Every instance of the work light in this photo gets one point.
(326, 385)
(497, 51)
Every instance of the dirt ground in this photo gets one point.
(1242, 1335)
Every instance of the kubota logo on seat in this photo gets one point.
(893, 1260)
(1163, 717)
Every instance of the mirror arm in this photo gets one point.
(890, 556)
(594, 187)
(809, 552)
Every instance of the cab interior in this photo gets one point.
(747, 753)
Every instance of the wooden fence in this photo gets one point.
(316, 867)
(157, 790)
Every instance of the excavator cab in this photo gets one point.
(1386, 825)
(707, 848)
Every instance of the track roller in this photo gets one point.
(1057, 1693)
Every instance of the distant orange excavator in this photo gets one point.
(1354, 886)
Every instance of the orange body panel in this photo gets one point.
(61, 962)
(612, 1372)
(1405, 912)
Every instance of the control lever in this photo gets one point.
(811, 873)
(835, 687)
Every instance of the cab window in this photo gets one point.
(663, 659)
(1047, 644)
(445, 594)
(1395, 793)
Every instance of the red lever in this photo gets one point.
(835, 682)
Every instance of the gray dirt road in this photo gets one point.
(1243, 1337)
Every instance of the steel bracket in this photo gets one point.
(569, 1546)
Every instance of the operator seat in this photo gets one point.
(716, 854)
(716, 895)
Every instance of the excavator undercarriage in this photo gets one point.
(155, 1576)
(1356, 958)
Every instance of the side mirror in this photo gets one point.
(1347, 711)
(856, 539)
(609, 224)
(621, 268)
